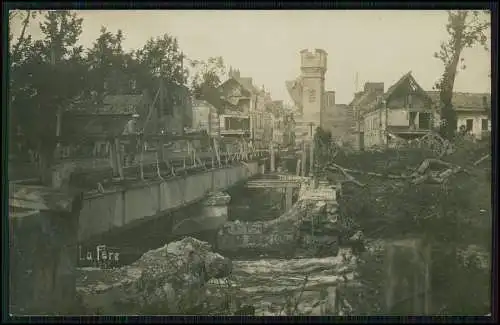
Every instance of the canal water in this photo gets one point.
(272, 284)
(266, 283)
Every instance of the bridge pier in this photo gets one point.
(214, 213)
(43, 226)
(216, 206)
(284, 184)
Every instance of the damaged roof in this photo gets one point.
(413, 84)
(466, 101)
(245, 84)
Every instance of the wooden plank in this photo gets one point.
(272, 183)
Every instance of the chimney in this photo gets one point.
(485, 102)
(234, 73)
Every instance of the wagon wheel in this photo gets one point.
(433, 142)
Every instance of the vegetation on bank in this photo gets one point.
(81, 77)
(393, 195)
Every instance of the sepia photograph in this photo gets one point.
(249, 162)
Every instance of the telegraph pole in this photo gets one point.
(59, 108)
(159, 123)
(183, 113)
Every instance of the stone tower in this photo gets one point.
(313, 69)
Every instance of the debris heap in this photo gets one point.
(168, 280)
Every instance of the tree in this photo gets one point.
(206, 78)
(107, 62)
(207, 74)
(44, 80)
(162, 57)
(26, 16)
(466, 29)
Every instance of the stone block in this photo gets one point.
(217, 199)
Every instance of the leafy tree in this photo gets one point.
(160, 60)
(207, 74)
(161, 56)
(207, 77)
(107, 62)
(16, 48)
(36, 99)
(466, 29)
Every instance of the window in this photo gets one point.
(484, 124)
(413, 117)
(469, 124)
(424, 121)
(312, 95)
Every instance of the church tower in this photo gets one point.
(313, 70)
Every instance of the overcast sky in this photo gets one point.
(378, 45)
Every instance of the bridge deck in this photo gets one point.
(272, 183)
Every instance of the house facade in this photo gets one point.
(473, 111)
(177, 108)
(245, 109)
(358, 106)
(205, 118)
(404, 111)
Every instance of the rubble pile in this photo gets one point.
(312, 227)
(168, 280)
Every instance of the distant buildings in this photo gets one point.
(473, 111)
(177, 110)
(407, 111)
(313, 105)
(205, 118)
(246, 109)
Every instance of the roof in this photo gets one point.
(81, 124)
(370, 98)
(465, 101)
(363, 99)
(413, 84)
(121, 103)
(248, 85)
(245, 83)
(201, 102)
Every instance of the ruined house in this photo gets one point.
(473, 111)
(405, 111)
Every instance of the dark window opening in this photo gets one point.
(469, 124)
(235, 123)
(484, 124)
(424, 121)
(413, 117)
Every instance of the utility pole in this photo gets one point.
(386, 124)
(59, 108)
(159, 123)
(184, 107)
